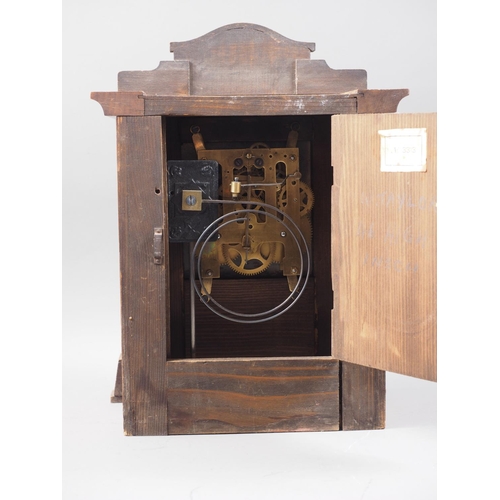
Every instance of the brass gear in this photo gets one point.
(255, 205)
(306, 199)
(243, 202)
(251, 261)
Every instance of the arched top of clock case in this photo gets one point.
(245, 69)
(241, 34)
(242, 59)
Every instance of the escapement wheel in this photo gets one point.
(306, 199)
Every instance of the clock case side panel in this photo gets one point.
(144, 294)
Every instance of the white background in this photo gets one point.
(395, 41)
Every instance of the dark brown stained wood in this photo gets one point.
(362, 397)
(383, 249)
(291, 334)
(120, 103)
(169, 78)
(137, 104)
(239, 131)
(380, 101)
(242, 59)
(175, 343)
(322, 178)
(176, 307)
(144, 294)
(116, 395)
(245, 105)
(316, 77)
(244, 84)
(252, 395)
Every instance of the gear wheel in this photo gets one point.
(306, 199)
(241, 205)
(249, 261)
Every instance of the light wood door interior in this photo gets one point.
(384, 242)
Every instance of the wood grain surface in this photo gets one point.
(138, 104)
(169, 78)
(380, 101)
(383, 242)
(240, 59)
(117, 393)
(252, 395)
(120, 103)
(362, 397)
(248, 105)
(316, 77)
(322, 179)
(291, 334)
(383, 249)
(144, 295)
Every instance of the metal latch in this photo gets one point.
(158, 246)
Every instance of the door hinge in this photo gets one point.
(158, 246)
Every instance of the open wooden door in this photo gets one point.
(384, 242)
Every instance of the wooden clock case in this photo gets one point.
(370, 304)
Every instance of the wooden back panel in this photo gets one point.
(241, 60)
(383, 248)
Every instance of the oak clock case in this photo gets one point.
(277, 240)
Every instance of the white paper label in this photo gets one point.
(403, 150)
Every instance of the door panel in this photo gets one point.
(384, 241)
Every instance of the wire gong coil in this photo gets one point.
(242, 216)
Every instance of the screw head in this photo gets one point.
(190, 200)
(176, 231)
(283, 234)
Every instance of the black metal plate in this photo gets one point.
(185, 226)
